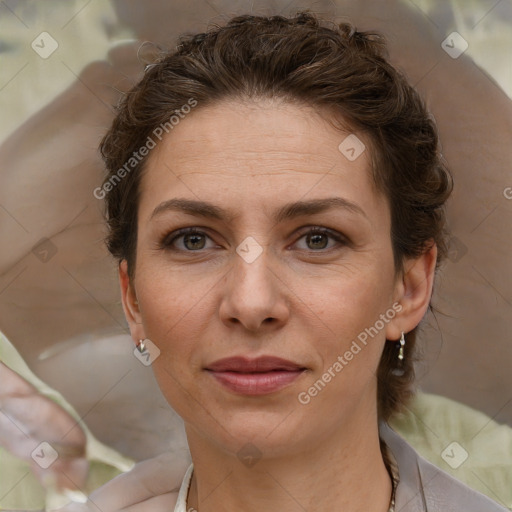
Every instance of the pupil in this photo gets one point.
(195, 241)
(316, 238)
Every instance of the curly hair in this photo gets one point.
(335, 69)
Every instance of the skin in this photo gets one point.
(298, 300)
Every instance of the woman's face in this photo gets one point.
(277, 265)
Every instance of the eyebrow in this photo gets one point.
(286, 212)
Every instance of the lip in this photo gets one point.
(260, 364)
(260, 376)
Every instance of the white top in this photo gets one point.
(181, 504)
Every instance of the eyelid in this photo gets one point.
(333, 234)
(168, 240)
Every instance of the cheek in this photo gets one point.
(172, 301)
(349, 302)
(177, 310)
(349, 356)
(174, 317)
(354, 309)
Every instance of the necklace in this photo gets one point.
(389, 462)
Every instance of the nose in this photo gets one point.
(254, 296)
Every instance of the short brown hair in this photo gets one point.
(331, 67)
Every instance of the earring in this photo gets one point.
(141, 347)
(402, 345)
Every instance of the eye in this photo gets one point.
(186, 239)
(193, 240)
(318, 239)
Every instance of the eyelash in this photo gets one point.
(168, 240)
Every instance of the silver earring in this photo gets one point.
(402, 345)
(141, 346)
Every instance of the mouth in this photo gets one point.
(258, 376)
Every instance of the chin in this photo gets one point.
(267, 434)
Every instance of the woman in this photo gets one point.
(275, 199)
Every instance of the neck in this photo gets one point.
(344, 471)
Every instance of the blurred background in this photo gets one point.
(65, 63)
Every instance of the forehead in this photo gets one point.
(263, 128)
(257, 152)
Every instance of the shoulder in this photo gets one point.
(424, 487)
(443, 492)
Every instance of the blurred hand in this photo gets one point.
(36, 429)
(152, 484)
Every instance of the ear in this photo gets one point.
(413, 291)
(131, 306)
